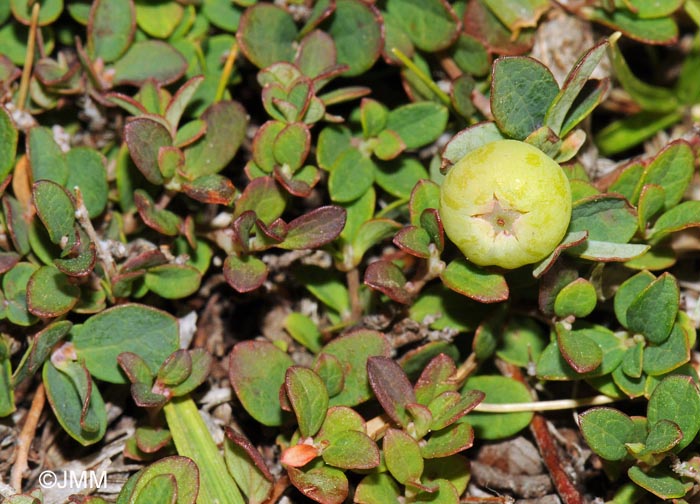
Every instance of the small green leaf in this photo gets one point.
(145, 137)
(580, 351)
(654, 310)
(7, 396)
(173, 281)
(522, 90)
(356, 30)
(46, 158)
(304, 331)
(607, 218)
(651, 201)
(402, 456)
(518, 14)
(418, 124)
(39, 350)
(266, 35)
(50, 293)
(662, 30)
(369, 234)
(111, 29)
(681, 216)
(322, 484)
(522, 341)
(163, 221)
(498, 390)
(663, 436)
(351, 449)
(330, 370)
(182, 470)
(87, 171)
(226, 126)
(55, 208)
(148, 332)
(291, 145)
(578, 299)
(478, 284)
(8, 143)
(431, 25)
(672, 169)
(351, 176)
(50, 10)
(468, 140)
(607, 430)
(373, 116)
(399, 176)
(669, 355)
(628, 291)
(575, 81)
(308, 397)
(256, 386)
(377, 487)
(83, 417)
(158, 19)
(149, 59)
(353, 350)
(663, 484)
(676, 399)
(264, 197)
(453, 439)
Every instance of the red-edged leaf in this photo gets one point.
(244, 274)
(388, 279)
(314, 229)
(392, 388)
(212, 189)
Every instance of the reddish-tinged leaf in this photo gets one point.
(435, 379)
(569, 241)
(226, 126)
(144, 260)
(392, 388)
(388, 279)
(323, 484)
(264, 197)
(242, 442)
(212, 189)
(145, 137)
(244, 274)
(414, 241)
(163, 221)
(135, 367)
(7, 261)
(301, 183)
(299, 455)
(482, 24)
(242, 227)
(314, 229)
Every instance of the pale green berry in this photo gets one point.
(505, 204)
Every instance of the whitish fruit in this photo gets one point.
(506, 204)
